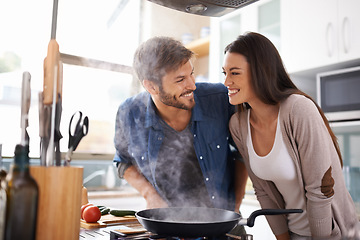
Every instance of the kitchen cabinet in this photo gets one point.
(321, 32)
(201, 64)
(200, 46)
(349, 20)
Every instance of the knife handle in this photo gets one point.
(51, 63)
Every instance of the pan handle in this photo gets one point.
(251, 219)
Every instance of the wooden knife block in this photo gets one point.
(59, 203)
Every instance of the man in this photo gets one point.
(172, 141)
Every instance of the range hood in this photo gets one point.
(211, 8)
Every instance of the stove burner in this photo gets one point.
(114, 235)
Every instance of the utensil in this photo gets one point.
(50, 108)
(198, 221)
(57, 133)
(76, 133)
(25, 106)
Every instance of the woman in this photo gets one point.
(290, 152)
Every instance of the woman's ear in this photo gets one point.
(151, 87)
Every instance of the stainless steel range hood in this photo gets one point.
(211, 8)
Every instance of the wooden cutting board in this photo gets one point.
(108, 219)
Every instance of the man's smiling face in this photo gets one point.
(178, 87)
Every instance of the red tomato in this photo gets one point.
(83, 208)
(91, 214)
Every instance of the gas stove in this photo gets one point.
(115, 233)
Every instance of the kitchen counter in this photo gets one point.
(134, 201)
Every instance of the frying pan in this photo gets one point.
(198, 221)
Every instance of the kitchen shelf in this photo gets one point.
(200, 46)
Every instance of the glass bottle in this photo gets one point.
(22, 198)
(2, 197)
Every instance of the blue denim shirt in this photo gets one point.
(139, 135)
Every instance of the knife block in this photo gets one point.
(59, 205)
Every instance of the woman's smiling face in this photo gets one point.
(238, 78)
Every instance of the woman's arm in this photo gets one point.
(284, 236)
(241, 177)
(317, 154)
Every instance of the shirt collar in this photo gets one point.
(197, 113)
(151, 118)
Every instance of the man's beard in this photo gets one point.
(171, 100)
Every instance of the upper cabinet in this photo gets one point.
(349, 27)
(200, 46)
(321, 32)
(201, 65)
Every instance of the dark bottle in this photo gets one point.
(2, 202)
(2, 197)
(22, 199)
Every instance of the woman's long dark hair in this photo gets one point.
(270, 80)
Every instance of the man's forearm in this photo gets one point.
(144, 187)
(138, 181)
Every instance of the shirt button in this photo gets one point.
(227, 138)
(159, 138)
(218, 146)
(132, 154)
(207, 179)
(212, 197)
(194, 135)
(201, 157)
(142, 158)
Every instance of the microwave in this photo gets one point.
(338, 94)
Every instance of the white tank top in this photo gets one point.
(278, 167)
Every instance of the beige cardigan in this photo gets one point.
(318, 169)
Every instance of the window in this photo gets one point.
(97, 40)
